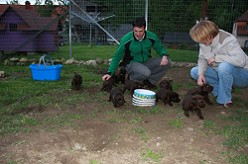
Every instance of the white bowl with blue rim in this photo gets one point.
(144, 97)
(143, 104)
(144, 94)
(143, 100)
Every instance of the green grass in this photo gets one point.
(241, 158)
(142, 132)
(150, 155)
(177, 123)
(84, 52)
(136, 120)
(93, 161)
(236, 136)
(152, 110)
(60, 120)
(19, 93)
(209, 124)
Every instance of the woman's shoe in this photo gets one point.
(227, 105)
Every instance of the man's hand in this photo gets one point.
(164, 61)
(106, 77)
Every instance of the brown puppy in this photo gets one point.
(120, 75)
(203, 90)
(131, 86)
(166, 84)
(77, 82)
(193, 103)
(167, 96)
(116, 97)
(107, 85)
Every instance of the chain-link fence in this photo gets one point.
(106, 21)
(34, 28)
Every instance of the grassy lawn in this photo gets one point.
(84, 52)
(19, 93)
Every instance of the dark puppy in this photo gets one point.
(193, 103)
(120, 75)
(167, 96)
(116, 96)
(107, 85)
(166, 84)
(77, 82)
(131, 86)
(203, 90)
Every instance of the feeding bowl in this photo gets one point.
(143, 97)
(144, 94)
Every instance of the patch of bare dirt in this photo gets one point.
(109, 138)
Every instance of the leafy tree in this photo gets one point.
(173, 16)
(222, 15)
(37, 2)
(13, 2)
(123, 9)
(48, 2)
(166, 15)
(45, 10)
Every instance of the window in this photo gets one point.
(2, 26)
(12, 27)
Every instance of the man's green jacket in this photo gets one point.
(132, 50)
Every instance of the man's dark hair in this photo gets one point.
(139, 22)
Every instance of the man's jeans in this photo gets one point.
(151, 70)
(223, 79)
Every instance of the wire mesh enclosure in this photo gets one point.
(45, 27)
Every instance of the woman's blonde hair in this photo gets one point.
(204, 30)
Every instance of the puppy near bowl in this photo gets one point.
(131, 86)
(167, 96)
(116, 96)
(107, 85)
(203, 90)
(193, 103)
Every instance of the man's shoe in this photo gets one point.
(128, 76)
(149, 84)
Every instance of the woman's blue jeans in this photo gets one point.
(223, 79)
